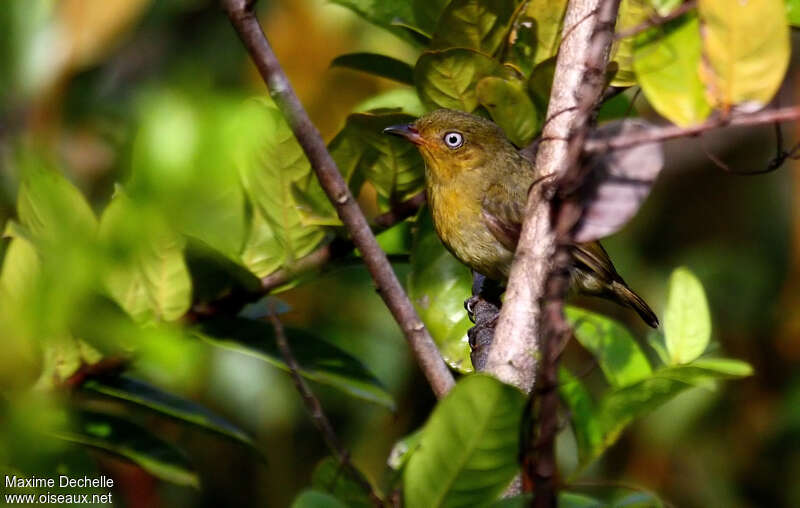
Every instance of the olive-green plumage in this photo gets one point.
(477, 185)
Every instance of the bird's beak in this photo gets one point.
(407, 131)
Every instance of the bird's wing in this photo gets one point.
(594, 259)
(503, 217)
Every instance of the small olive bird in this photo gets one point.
(477, 186)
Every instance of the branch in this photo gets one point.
(315, 410)
(673, 131)
(516, 343)
(532, 329)
(430, 360)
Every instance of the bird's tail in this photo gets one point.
(627, 297)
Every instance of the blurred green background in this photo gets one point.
(96, 88)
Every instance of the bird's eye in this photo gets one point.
(453, 139)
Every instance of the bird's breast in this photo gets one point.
(458, 220)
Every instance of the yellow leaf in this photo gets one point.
(746, 48)
(631, 14)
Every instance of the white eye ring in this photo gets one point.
(453, 139)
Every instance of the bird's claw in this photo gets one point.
(469, 306)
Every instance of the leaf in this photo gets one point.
(140, 393)
(329, 476)
(270, 160)
(319, 360)
(262, 254)
(427, 13)
(519, 501)
(631, 14)
(618, 355)
(214, 274)
(448, 78)
(148, 277)
(401, 99)
(129, 441)
(568, 499)
(391, 164)
(665, 7)
(316, 499)
(474, 24)
(687, 321)
(578, 401)
(618, 408)
(793, 12)
(746, 51)
(385, 14)
(313, 204)
(469, 446)
(667, 63)
(21, 265)
(724, 366)
(437, 285)
(541, 83)
(510, 107)
(51, 208)
(379, 65)
(403, 449)
(619, 182)
(537, 33)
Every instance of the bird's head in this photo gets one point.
(452, 142)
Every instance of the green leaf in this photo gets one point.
(391, 164)
(385, 14)
(262, 253)
(576, 397)
(140, 393)
(21, 265)
(403, 449)
(687, 321)
(448, 78)
(474, 24)
(510, 107)
(577, 500)
(468, 451)
(631, 14)
(618, 355)
(316, 499)
(746, 51)
(618, 408)
(793, 12)
(664, 7)
(51, 208)
(270, 160)
(402, 99)
(214, 274)
(537, 33)
(438, 285)
(129, 441)
(379, 65)
(148, 276)
(329, 476)
(427, 13)
(319, 360)
(726, 367)
(667, 62)
(541, 83)
(519, 501)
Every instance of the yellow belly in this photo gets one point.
(459, 224)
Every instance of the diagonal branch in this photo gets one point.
(243, 18)
(315, 410)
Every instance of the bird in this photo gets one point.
(477, 183)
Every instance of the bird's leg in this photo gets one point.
(483, 308)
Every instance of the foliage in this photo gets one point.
(122, 293)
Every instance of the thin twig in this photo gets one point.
(428, 357)
(314, 407)
(657, 134)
